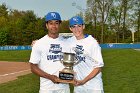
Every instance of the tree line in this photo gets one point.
(109, 21)
(117, 19)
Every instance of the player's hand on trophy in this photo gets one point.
(74, 82)
(53, 78)
(79, 82)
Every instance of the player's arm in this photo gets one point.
(97, 66)
(35, 69)
(89, 77)
(33, 42)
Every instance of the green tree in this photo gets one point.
(3, 10)
(136, 19)
(99, 10)
(3, 36)
(65, 27)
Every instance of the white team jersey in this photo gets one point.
(46, 53)
(88, 52)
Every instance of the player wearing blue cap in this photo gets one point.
(44, 54)
(88, 52)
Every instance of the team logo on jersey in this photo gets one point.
(55, 48)
(79, 53)
(53, 15)
(55, 52)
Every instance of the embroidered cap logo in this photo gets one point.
(75, 19)
(53, 15)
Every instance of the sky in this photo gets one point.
(66, 8)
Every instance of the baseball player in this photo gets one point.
(88, 52)
(45, 53)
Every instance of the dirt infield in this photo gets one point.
(11, 70)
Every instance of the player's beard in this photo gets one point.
(54, 32)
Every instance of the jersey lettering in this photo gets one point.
(79, 53)
(55, 52)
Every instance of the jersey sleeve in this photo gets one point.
(97, 56)
(35, 54)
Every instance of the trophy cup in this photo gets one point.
(67, 74)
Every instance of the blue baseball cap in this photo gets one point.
(52, 16)
(76, 20)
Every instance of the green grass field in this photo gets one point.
(120, 73)
(19, 56)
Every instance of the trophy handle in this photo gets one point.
(61, 61)
(76, 62)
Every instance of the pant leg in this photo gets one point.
(55, 91)
(62, 91)
(87, 91)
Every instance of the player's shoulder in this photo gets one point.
(40, 42)
(92, 40)
(71, 38)
(44, 38)
(61, 38)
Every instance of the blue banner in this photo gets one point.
(135, 46)
(15, 47)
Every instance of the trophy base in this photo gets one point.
(65, 81)
(65, 77)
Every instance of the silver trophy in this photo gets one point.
(67, 74)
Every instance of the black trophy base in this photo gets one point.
(66, 77)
